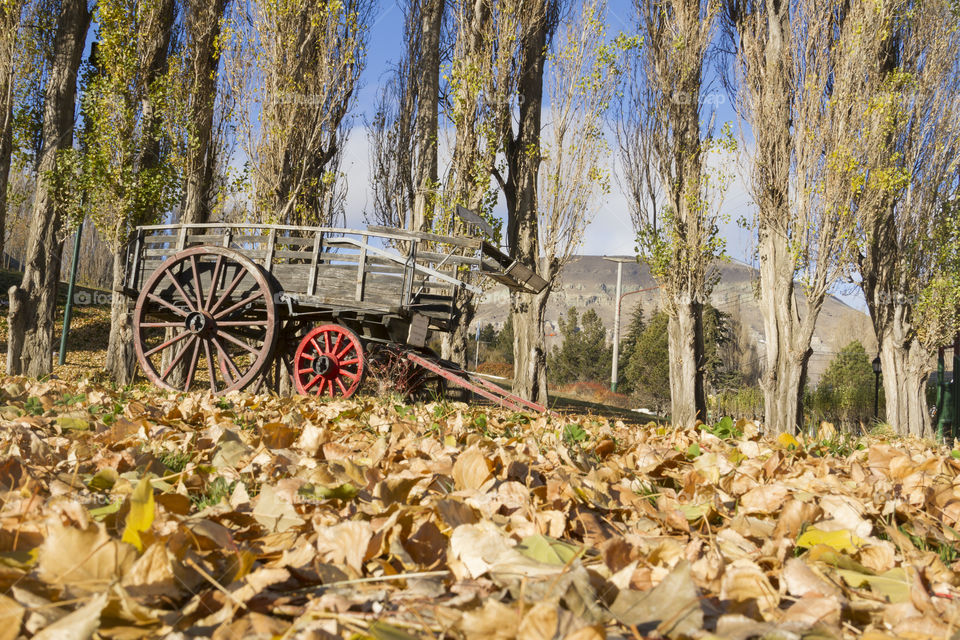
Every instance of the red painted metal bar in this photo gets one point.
(499, 396)
(513, 397)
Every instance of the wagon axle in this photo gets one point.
(199, 323)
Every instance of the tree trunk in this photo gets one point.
(454, 343)
(523, 161)
(6, 141)
(529, 345)
(121, 357)
(785, 368)
(428, 103)
(33, 303)
(906, 367)
(201, 154)
(685, 343)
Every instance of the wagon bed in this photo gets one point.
(239, 297)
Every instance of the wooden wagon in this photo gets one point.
(227, 306)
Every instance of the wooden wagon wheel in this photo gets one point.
(330, 361)
(209, 312)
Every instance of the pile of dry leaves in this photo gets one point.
(139, 514)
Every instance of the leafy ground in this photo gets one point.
(139, 514)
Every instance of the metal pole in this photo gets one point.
(476, 354)
(956, 387)
(68, 310)
(876, 395)
(616, 332)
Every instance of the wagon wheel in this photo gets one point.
(209, 312)
(329, 361)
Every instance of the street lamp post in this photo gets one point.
(614, 370)
(876, 387)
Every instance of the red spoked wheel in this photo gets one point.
(329, 361)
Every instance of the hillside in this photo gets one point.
(591, 282)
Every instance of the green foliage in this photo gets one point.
(649, 366)
(628, 344)
(574, 434)
(718, 332)
(217, 490)
(845, 392)
(724, 428)
(176, 461)
(33, 406)
(583, 355)
(126, 177)
(503, 343)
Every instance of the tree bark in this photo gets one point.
(529, 345)
(904, 361)
(906, 367)
(685, 344)
(121, 357)
(454, 343)
(201, 153)
(787, 347)
(6, 143)
(428, 105)
(33, 303)
(523, 162)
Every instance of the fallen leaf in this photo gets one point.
(142, 512)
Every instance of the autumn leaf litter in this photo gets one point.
(143, 514)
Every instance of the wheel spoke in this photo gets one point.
(193, 364)
(177, 358)
(239, 343)
(337, 343)
(213, 373)
(166, 304)
(165, 325)
(343, 389)
(196, 283)
(315, 345)
(349, 362)
(245, 301)
(223, 355)
(213, 282)
(229, 290)
(352, 376)
(241, 323)
(330, 386)
(183, 293)
(346, 349)
(326, 341)
(312, 382)
(175, 339)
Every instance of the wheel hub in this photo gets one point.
(323, 365)
(197, 323)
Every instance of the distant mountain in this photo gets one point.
(590, 282)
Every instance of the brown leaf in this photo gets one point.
(84, 561)
(11, 617)
(471, 470)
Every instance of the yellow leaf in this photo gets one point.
(892, 584)
(141, 514)
(787, 440)
(842, 540)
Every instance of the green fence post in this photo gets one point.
(68, 309)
